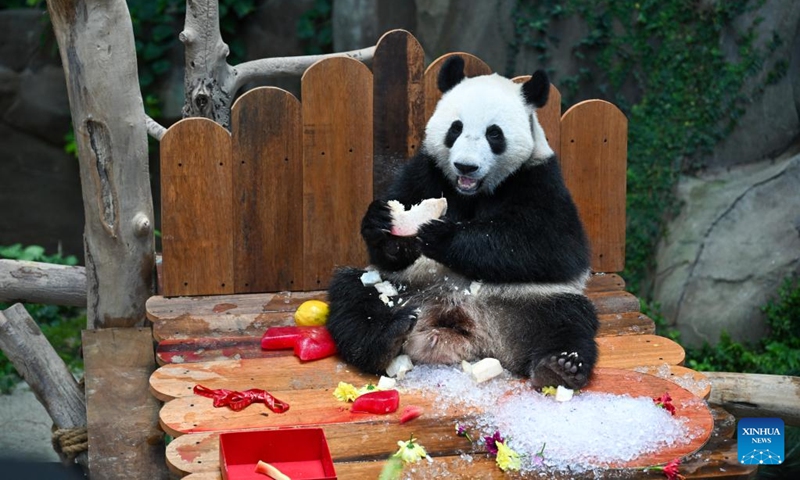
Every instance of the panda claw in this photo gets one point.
(564, 369)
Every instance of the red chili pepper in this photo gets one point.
(409, 413)
(382, 401)
(239, 400)
(309, 343)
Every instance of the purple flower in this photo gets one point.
(538, 458)
(491, 442)
(461, 431)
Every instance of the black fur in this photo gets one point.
(537, 90)
(371, 333)
(516, 241)
(453, 133)
(528, 230)
(496, 139)
(451, 73)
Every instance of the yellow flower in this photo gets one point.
(410, 451)
(507, 459)
(549, 390)
(345, 392)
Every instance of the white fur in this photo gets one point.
(480, 102)
(425, 273)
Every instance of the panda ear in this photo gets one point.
(451, 73)
(537, 89)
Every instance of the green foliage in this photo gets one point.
(60, 325)
(691, 94)
(315, 28)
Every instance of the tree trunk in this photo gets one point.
(757, 395)
(208, 80)
(210, 83)
(95, 39)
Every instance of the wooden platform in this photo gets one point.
(214, 341)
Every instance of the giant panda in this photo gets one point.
(502, 273)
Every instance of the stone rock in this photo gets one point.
(730, 248)
(41, 106)
(41, 197)
(20, 36)
(26, 427)
(481, 28)
(772, 121)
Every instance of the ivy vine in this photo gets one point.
(690, 93)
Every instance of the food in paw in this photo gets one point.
(405, 223)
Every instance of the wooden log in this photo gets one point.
(757, 395)
(48, 376)
(37, 282)
(124, 438)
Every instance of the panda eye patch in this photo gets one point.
(496, 139)
(453, 133)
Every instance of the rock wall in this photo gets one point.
(40, 191)
(736, 238)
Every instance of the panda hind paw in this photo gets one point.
(566, 368)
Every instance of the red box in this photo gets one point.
(300, 453)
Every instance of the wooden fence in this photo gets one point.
(276, 204)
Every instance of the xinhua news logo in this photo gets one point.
(760, 441)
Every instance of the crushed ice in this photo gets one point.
(591, 430)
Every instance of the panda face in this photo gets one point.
(482, 131)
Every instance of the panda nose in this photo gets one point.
(464, 168)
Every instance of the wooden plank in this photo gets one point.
(398, 104)
(237, 322)
(614, 302)
(696, 382)
(235, 315)
(631, 351)
(605, 282)
(286, 372)
(379, 433)
(245, 340)
(122, 417)
(594, 149)
(549, 116)
(268, 191)
(473, 66)
(223, 315)
(719, 463)
(337, 175)
(196, 209)
(198, 453)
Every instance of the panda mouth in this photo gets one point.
(467, 184)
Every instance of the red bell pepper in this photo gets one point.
(316, 346)
(382, 401)
(409, 413)
(309, 343)
(279, 338)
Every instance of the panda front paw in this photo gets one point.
(566, 368)
(386, 251)
(377, 222)
(436, 238)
